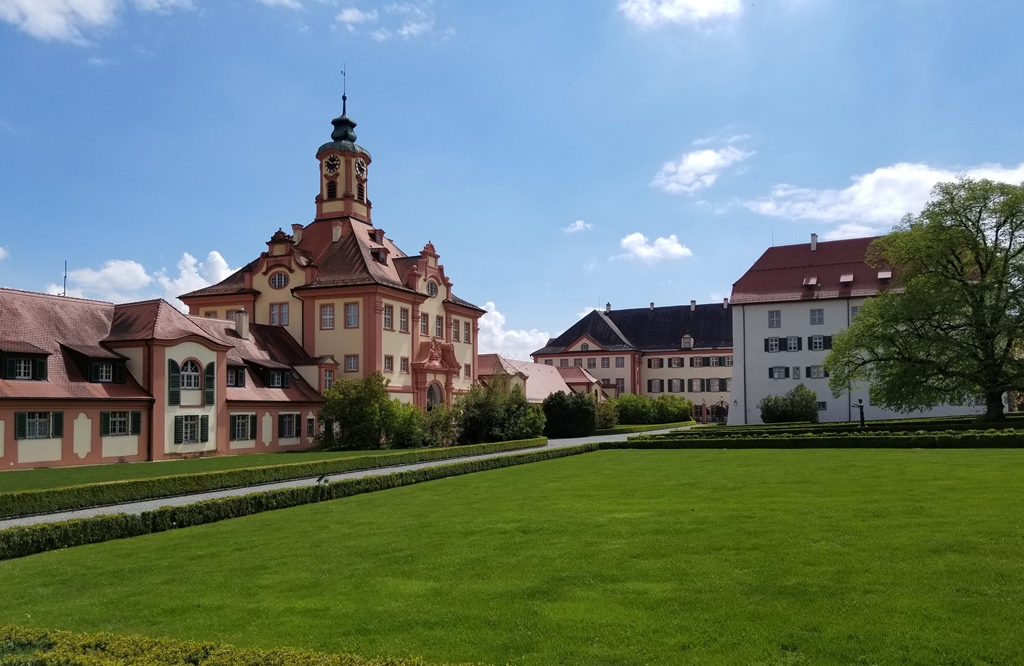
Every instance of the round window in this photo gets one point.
(431, 288)
(279, 280)
(585, 347)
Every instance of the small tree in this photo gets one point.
(495, 413)
(800, 404)
(570, 415)
(671, 409)
(607, 415)
(441, 426)
(354, 413)
(634, 409)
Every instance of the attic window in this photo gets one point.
(687, 342)
(584, 347)
(811, 281)
(846, 278)
(279, 280)
(431, 288)
(884, 275)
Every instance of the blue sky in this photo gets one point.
(558, 155)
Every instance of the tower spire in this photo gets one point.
(344, 90)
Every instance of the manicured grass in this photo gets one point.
(59, 477)
(616, 557)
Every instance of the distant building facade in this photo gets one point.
(681, 350)
(787, 308)
(538, 380)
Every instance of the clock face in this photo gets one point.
(332, 164)
(361, 168)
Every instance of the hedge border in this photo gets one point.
(68, 498)
(851, 428)
(32, 539)
(982, 439)
(20, 645)
(627, 429)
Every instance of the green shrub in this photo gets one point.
(607, 415)
(799, 404)
(496, 412)
(37, 647)
(354, 413)
(441, 426)
(404, 426)
(671, 409)
(634, 409)
(570, 415)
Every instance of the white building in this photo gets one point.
(786, 309)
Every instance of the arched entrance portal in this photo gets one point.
(434, 396)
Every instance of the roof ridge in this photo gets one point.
(55, 296)
(615, 329)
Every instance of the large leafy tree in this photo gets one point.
(950, 326)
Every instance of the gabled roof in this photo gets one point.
(650, 329)
(152, 320)
(540, 380)
(575, 374)
(33, 323)
(833, 269)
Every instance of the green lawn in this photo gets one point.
(57, 477)
(618, 557)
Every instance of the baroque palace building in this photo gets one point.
(86, 382)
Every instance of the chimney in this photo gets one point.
(242, 324)
(693, 306)
(297, 233)
(607, 307)
(652, 305)
(814, 242)
(725, 302)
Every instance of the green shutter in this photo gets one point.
(828, 342)
(136, 423)
(209, 381)
(252, 426)
(10, 368)
(94, 372)
(232, 423)
(286, 379)
(57, 424)
(179, 429)
(240, 377)
(119, 373)
(174, 387)
(204, 428)
(104, 423)
(39, 369)
(280, 425)
(20, 425)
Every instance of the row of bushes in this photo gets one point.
(22, 541)
(840, 428)
(973, 439)
(36, 647)
(28, 502)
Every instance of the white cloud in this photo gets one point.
(578, 226)
(402, 20)
(655, 13)
(697, 170)
(874, 201)
(290, 4)
(494, 339)
(854, 230)
(638, 247)
(353, 17)
(69, 20)
(584, 312)
(123, 280)
(4, 253)
(115, 275)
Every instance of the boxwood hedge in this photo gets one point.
(29, 502)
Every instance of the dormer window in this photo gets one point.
(884, 275)
(810, 282)
(24, 367)
(332, 189)
(846, 278)
(687, 342)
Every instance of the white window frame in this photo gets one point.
(455, 330)
(105, 372)
(817, 372)
(778, 372)
(728, 361)
(792, 343)
(403, 320)
(439, 326)
(351, 315)
(403, 365)
(191, 378)
(120, 423)
(817, 343)
(817, 316)
(23, 368)
(37, 425)
(466, 331)
(328, 378)
(190, 429)
(327, 316)
(605, 362)
(351, 363)
(775, 319)
(278, 314)
(389, 317)
(773, 345)
(279, 280)
(389, 363)
(241, 432)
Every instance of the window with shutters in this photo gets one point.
(23, 367)
(792, 343)
(775, 319)
(696, 385)
(104, 372)
(716, 361)
(771, 344)
(243, 427)
(236, 377)
(287, 425)
(817, 342)
(675, 386)
(816, 372)
(190, 372)
(655, 385)
(118, 423)
(113, 424)
(37, 425)
(189, 429)
(817, 316)
(728, 361)
(697, 361)
(778, 372)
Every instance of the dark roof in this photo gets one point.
(650, 329)
(798, 273)
(232, 284)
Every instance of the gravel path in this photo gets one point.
(149, 505)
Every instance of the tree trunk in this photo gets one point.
(994, 406)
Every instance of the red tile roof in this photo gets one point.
(798, 273)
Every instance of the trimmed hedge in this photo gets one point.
(32, 539)
(36, 647)
(843, 428)
(626, 429)
(975, 439)
(29, 502)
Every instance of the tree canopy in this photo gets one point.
(950, 326)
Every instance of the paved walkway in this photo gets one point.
(149, 505)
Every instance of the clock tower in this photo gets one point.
(343, 173)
